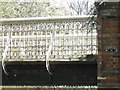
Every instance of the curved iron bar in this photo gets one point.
(5, 53)
(49, 51)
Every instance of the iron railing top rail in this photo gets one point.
(48, 36)
(107, 0)
(46, 19)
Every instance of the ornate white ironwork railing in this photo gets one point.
(56, 38)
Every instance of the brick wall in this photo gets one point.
(109, 43)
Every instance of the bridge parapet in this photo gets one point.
(59, 38)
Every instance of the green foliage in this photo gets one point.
(29, 9)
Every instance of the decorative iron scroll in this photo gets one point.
(30, 39)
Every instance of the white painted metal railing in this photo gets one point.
(30, 38)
